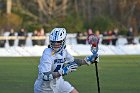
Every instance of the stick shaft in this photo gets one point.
(97, 77)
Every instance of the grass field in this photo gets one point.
(118, 74)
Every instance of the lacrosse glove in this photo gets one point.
(70, 67)
(92, 59)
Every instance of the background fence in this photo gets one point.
(121, 48)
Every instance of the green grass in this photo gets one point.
(118, 74)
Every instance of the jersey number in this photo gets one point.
(57, 68)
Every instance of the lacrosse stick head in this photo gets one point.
(93, 40)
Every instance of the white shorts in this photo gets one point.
(60, 87)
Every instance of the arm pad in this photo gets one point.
(47, 76)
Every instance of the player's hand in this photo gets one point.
(70, 67)
(92, 59)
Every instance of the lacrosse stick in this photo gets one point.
(93, 40)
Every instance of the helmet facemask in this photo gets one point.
(57, 46)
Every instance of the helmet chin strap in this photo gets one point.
(59, 49)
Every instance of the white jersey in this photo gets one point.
(52, 62)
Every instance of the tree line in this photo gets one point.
(75, 15)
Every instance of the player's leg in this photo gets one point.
(74, 91)
(40, 87)
(64, 87)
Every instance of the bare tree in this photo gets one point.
(64, 7)
(8, 6)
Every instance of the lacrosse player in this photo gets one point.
(55, 63)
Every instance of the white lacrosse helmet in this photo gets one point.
(57, 39)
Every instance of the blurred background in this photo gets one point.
(27, 23)
(24, 34)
